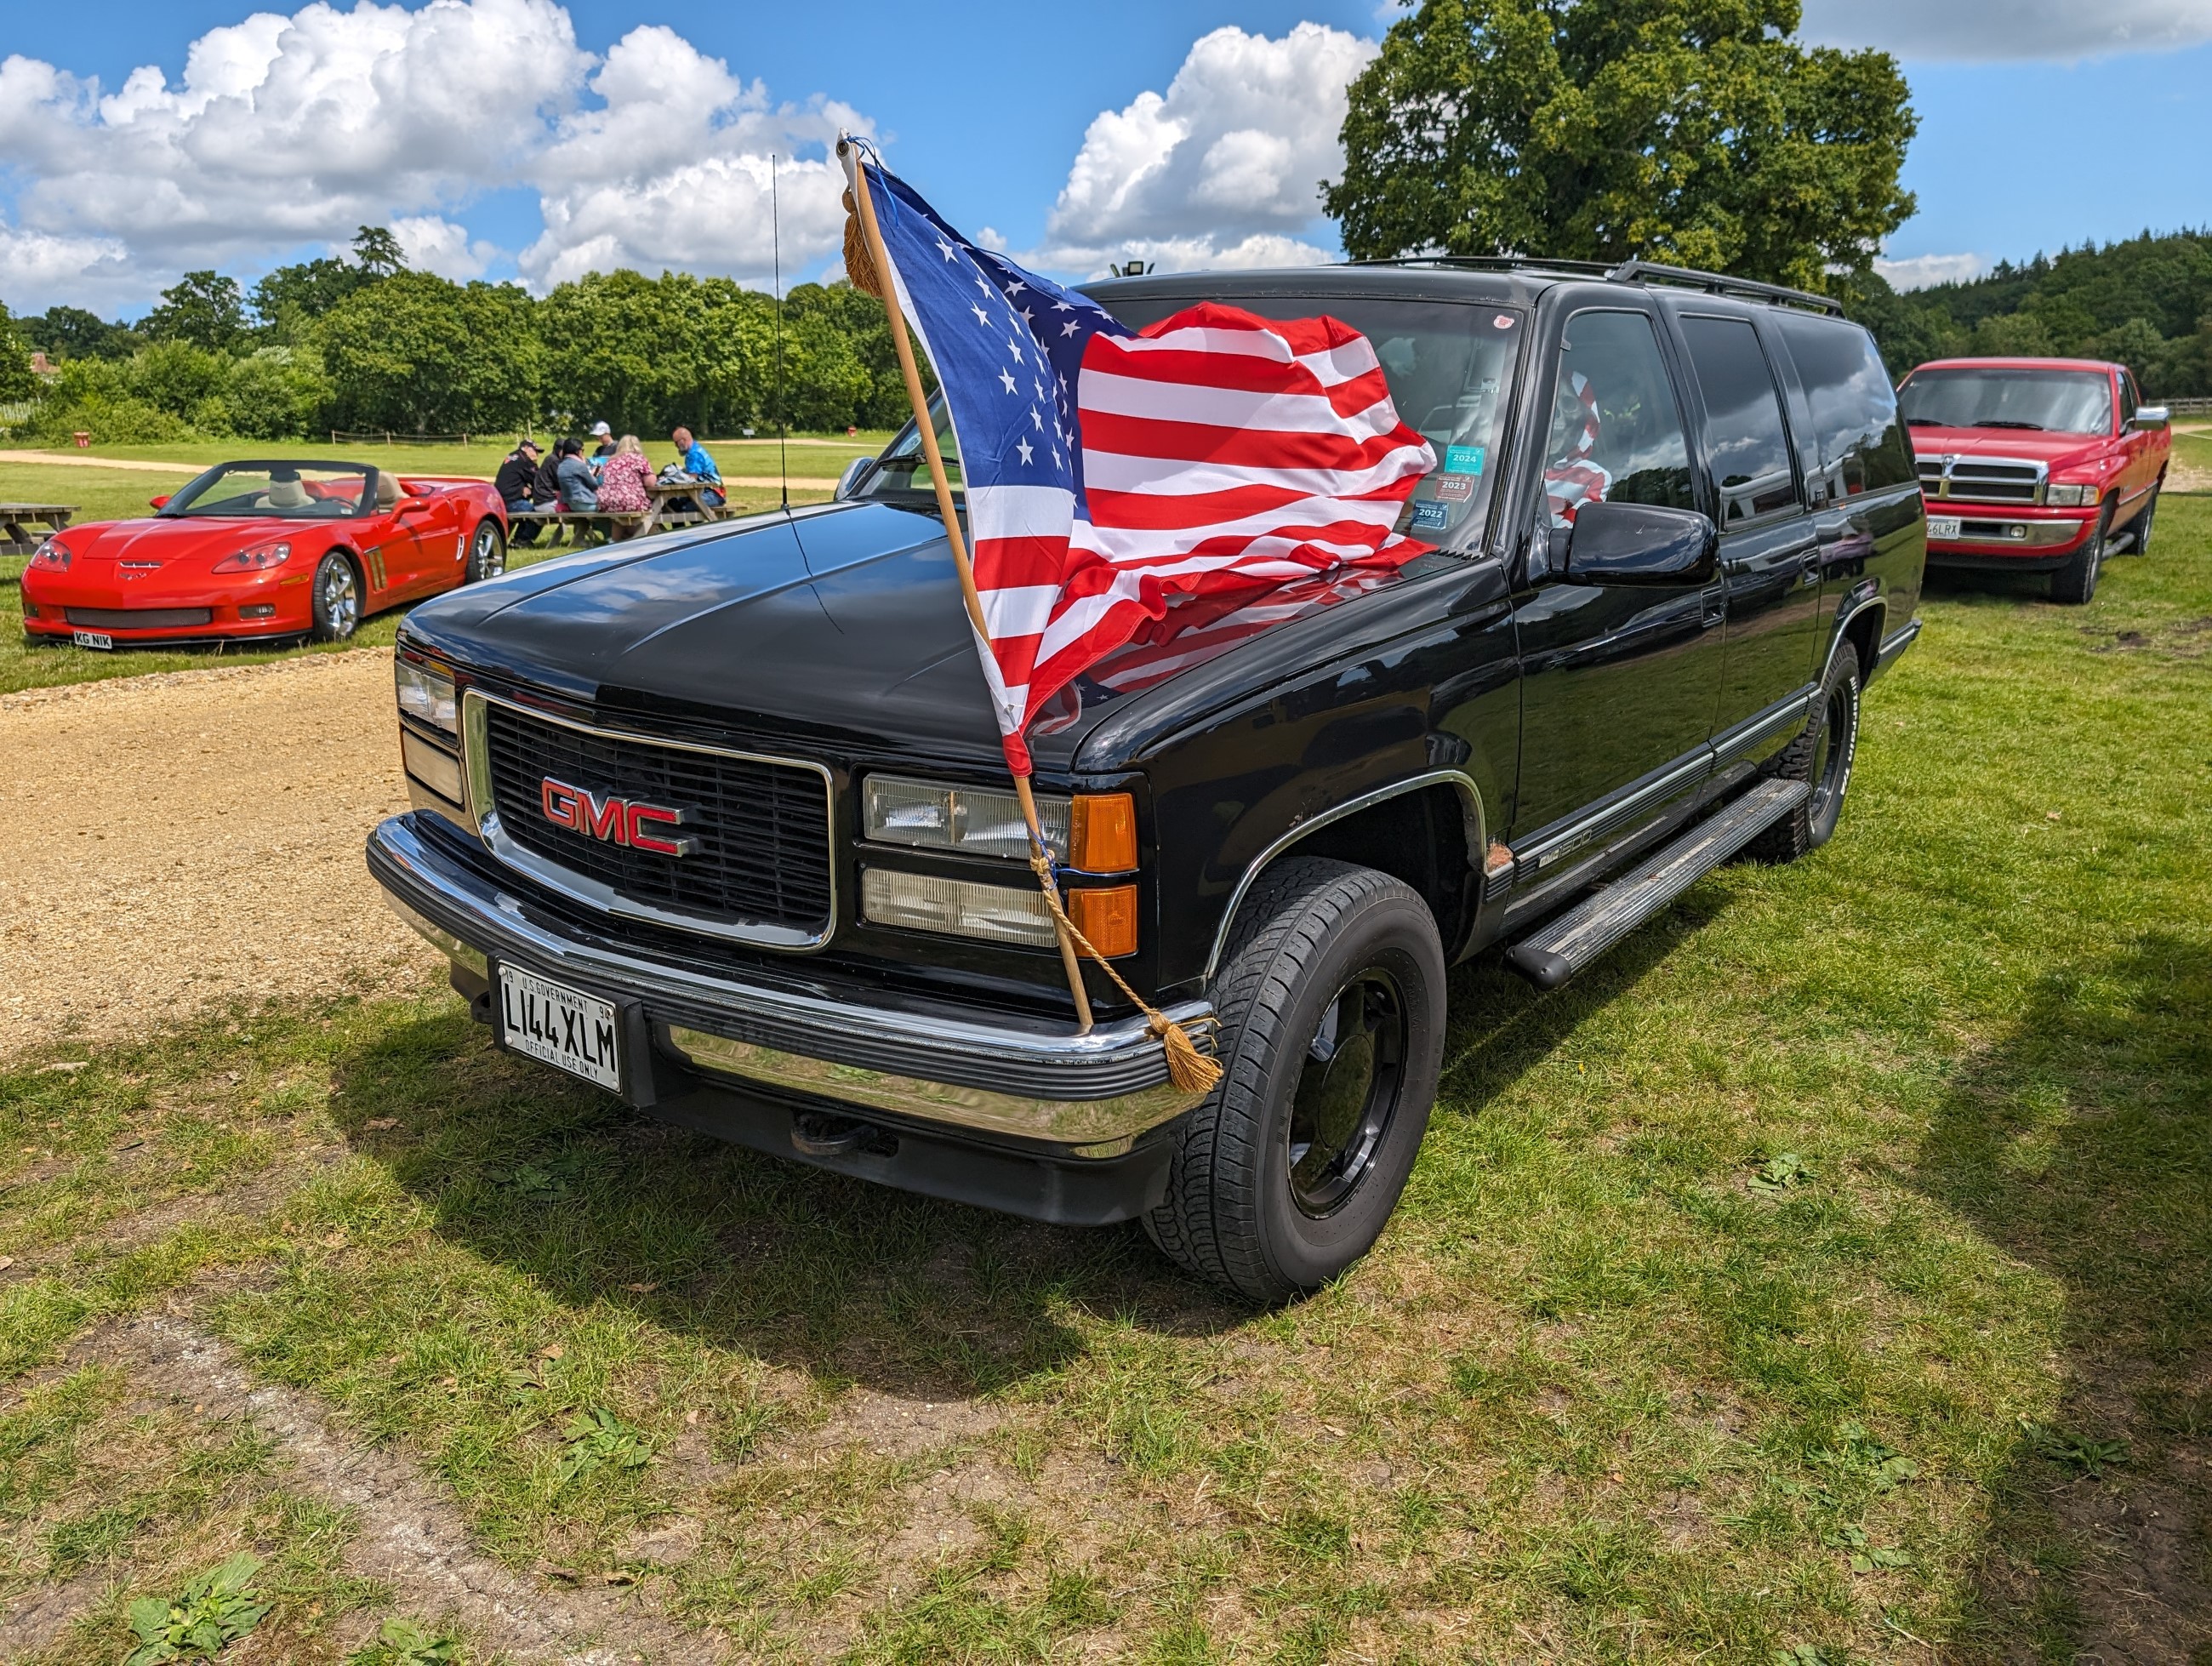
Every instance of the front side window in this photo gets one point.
(1616, 432)
(2006, 397)
(1863, 444)
(275, 491)
(1749, 449)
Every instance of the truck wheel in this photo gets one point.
(1331, 1005)
(2075, 582)
(336, 600)
(1823, 755)
(487, 553)
(2141, 546)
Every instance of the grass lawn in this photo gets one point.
(816, 456)
(1825, 1272)
(116, 493)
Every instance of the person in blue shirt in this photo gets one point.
(697, 463)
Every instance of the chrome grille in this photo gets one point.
(1981, 480)
(761, 867)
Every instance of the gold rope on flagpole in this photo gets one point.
(872, 275)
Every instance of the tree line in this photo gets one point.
(365, 344)
(2145, 302)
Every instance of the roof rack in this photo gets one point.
(1625, 271)
(1639, 271)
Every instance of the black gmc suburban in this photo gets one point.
(717, 820)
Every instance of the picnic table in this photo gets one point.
(24, 526)
(661, 512)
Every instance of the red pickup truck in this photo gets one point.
(2035, 465)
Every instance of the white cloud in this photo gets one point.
(2064, 30)
(671, 170)
(1918, 271)
(1224, 169)
(288, 132)
(431, 244)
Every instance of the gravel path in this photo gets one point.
(174, 842)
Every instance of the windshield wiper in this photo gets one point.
(2005, 422)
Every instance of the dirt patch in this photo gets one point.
(2190, 639)
(180, 841)
(408, 1535)
(2185, 478)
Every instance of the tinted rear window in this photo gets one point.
(1855, 418)
(1749, 449)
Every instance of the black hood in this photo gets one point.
(841, 623)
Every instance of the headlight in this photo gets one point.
(976, 821)
(255, 561)
(961, 907)
(426, 695)
(52, 555)
(2071, 497)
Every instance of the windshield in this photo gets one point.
(276, 491)
(2062, 401)
(1450, 366)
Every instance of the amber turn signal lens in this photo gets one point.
(1107, 917)
(1103, 833)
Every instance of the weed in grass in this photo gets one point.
(2083, 1456)
(403, 1642)
(598, 1439)
(1779, 1175)
(213, 1611)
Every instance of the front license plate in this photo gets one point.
(92, 639)
(1943, 526)
(560, 1027)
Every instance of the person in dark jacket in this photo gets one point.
(518, 469)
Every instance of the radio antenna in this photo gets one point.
(775, 254)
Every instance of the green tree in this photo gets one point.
(1693, 132)
(70, 332)
(376, 251)
(16, 380)
(290, 298)
(415, 353)
(205, 309)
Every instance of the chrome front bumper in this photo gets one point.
(801, 1034)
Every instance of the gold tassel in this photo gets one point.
(859, 265)
(1188, 1068)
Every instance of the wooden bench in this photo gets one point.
(595, 525)
(25, 527)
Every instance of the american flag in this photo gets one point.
(1108, 473)
(1573, 480)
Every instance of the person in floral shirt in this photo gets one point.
(622, 481)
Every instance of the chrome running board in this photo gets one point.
(1567, 943)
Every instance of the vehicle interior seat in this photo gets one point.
(286, 493)
(387, 489)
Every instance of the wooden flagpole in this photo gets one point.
(865, 211)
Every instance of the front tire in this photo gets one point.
(1822, 754)
(337, 598)
(2074, 583)
(487, 553)
(1331, 1006)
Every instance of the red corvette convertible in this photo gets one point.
(253, 550)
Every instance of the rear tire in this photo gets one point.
(1823, 755)
(2074, 583)
(486, 552)
(1331, 1006)
(336, 600)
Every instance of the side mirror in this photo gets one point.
(849, 481)
(2151, 417)
(161, 502)
(408, 505)
(1640, 543)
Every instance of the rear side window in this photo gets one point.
(1750, 448)
(1616, 432)
(1863, 443)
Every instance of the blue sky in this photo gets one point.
(525, 139)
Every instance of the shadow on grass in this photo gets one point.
(2082, 1146)
(594, 1202)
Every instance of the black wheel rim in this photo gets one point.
(1347, 1092)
